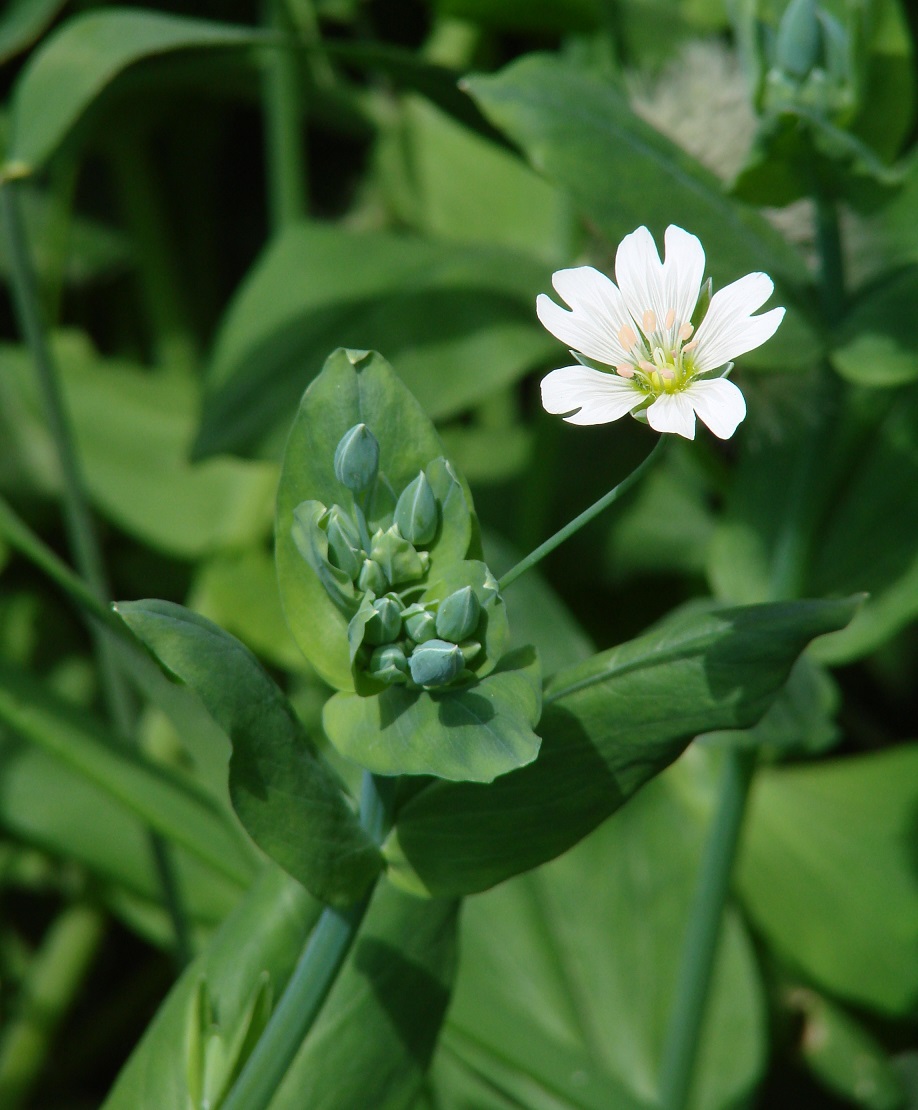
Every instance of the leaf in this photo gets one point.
(288, 799)
(859, 502)
(259, 943)
(877, 345)
(354, 387)
(170, 805)
(460, 320)
(133, 430)
(827, 873)
(473, 733)
(581, 134)
(85, 55)
(376, 1032)
(608, 726)
(448, 182)
(23, 22)
(47, 804)
(843, 1055)
(568, 973)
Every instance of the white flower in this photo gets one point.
(659, 366)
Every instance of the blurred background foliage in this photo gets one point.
(217, 197)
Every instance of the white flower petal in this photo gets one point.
(729, 329)
(600, 397)
(640, 276)
(597, 314)
(719, 403)
(683, 273)
(672, 412)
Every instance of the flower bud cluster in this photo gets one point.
(398, 635)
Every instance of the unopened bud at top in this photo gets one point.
(798, 46)
(458, 615)
(416, 511)
(357, 459)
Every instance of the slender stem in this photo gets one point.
(283, 125)
(81, 532)
(787, 579)
(700, 946)
(54, 977)
(578, 522)
(314, 975)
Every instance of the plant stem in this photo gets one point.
(700, 946)
(283, 125)
(54, 977)
(314, 975)
(788, 576)
(81, 532)
(578, 522)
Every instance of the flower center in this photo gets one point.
(659, 357)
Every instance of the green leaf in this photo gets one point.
(860, 499)
(827, 873)
(85, 55)
(354, 387)
(608, 726)
(844, 1056)
(168, 803)
(877, 344)
(472, 733)
(23, 22)
(256, 947)
(133, 430)
(580, 132)
(48, 804)
(376, 1032)
(460, 320)
(288, 799)
(567, 976)
(448, 182)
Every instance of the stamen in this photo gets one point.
(625, 370)
(670, 318)
(667, 373)
(649, 321)
(685, 331)
(647, 367)
(627, 336)
(691, 346)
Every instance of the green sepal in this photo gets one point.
(492, 629)
(344, 550)
(400, 561)
(416, 513)
(471, 733)
(435, 663)
(458, 615)
(312, 544)
(357, 459)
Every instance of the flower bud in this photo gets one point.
(435, 663)
(798, 45)
(420, 623)
(357, 459)
(344, 550)
(385, 624)
(388, 664)
(458, 615)
(416, 511)
(371, 577)
(397, 557)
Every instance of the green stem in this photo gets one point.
(787, 580)
(314, 975)
(578, 522)
(55, 976)
(283, 126)
(81, 532)
(700, 947)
